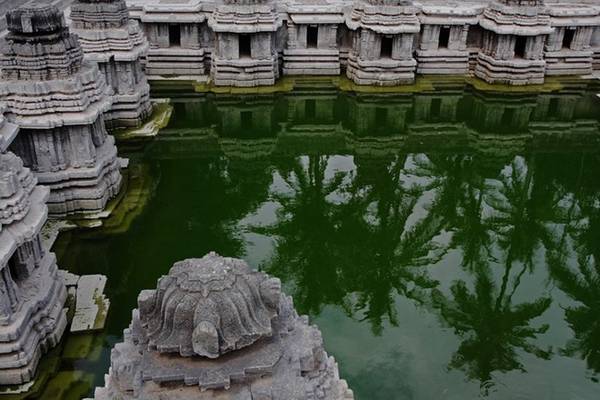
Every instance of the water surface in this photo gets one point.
(445, 242)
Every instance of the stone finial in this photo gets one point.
(35, 19)
(208, 307)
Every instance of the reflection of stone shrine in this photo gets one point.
(502, 113)
(215, 328)
(379, 115)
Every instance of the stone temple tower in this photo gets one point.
(215, 329)
(245, 51)
(32, 318)
(383, 42)
(109, 37)
(58, 100)
(513, 42)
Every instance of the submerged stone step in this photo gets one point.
(91, 307)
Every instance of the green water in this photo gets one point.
(445, 242)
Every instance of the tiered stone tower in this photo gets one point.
(382, 48)
(216, 329)
(32, 318)
(245, 35)
(513, 42)
(58, 100)
(116, 43)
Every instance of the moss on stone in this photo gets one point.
(159, 119)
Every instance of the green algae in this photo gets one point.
(161, 114)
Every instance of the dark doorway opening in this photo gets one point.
(568, 38)
(436, 108)
(381, 115)
(312, 36)
(310, 109)
(387, 44)
(507, 117)
(246, 119)
(553, 107)
(174, 35)
(444, 37)
(18, 269)
(245, 46)
(520, 46)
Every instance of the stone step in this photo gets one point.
(91, 307)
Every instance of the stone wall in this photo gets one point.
(332, 37)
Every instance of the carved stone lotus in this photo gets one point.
(208, 307)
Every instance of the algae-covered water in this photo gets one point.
(445, 241)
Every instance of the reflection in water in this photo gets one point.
(492, 327)
(454, 231)
(574, 267)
